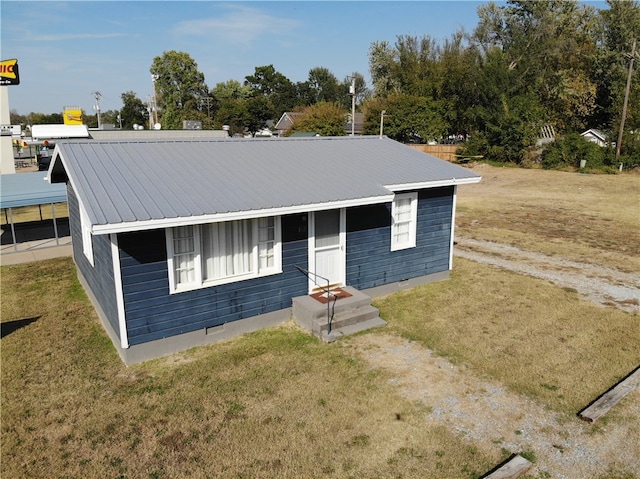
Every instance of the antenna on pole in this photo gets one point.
(96, 107)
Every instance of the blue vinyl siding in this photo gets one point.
(370, 261)
(99, 276)
(152, 313)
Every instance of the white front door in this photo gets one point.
(327, 252)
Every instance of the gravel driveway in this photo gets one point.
(484, 412)
(599, 284)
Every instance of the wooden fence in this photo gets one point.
(444, 152)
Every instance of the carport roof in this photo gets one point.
(28, 189)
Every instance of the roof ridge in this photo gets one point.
(217, 140)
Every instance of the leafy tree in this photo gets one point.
(408, 118)
(234, 114)
(324, 86)
(133, 112)
(381, 66)
(269, 83)
(460, 74)
(180, 89)
(110, 117)
(324, 118)
(621, 26)
(231, 90)
(536, 67)
(259, 110)
(16, 119)
(411, 66)
(44, 118)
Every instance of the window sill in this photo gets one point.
(183, 288)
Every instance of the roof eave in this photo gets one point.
(433, 184)
(133, 226)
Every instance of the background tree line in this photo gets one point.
(527, 65)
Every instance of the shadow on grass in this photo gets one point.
(11, 326)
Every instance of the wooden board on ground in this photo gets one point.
(512, 468)
(605, 402)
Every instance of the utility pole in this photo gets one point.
(352, 92)
(382, 113)
(207, 100)
(150, 110)
(155, 98)
(626, 101)
(96, 107)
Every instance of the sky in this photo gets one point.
(67, 51)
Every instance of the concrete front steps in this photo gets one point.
(350, 315)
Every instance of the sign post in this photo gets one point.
(9, 75)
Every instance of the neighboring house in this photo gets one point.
(182, 243)
(595, 136)
(286, 121)
(288, 118)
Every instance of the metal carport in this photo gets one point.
(30, 189)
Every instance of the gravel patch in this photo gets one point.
(599, 284)
(481, 411)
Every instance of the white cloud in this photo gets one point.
(241, 25)
(61, 37)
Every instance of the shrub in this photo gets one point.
(569, 151)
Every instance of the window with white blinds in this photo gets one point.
(404, 216)
(218, 253)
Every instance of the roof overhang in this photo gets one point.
(433, 184)
(236, 215)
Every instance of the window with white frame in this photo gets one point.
(404, 217)
(87, 238)
(219, 253)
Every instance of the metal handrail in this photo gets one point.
(330, 310)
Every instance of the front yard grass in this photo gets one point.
(278, 403)
(538, 339)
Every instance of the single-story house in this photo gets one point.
(185, 242)
(595, 136)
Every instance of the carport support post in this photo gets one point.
(13, 230)
(55, 225)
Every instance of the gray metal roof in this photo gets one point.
(28, 189)
(131, 185)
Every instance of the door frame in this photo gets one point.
(342, 248)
